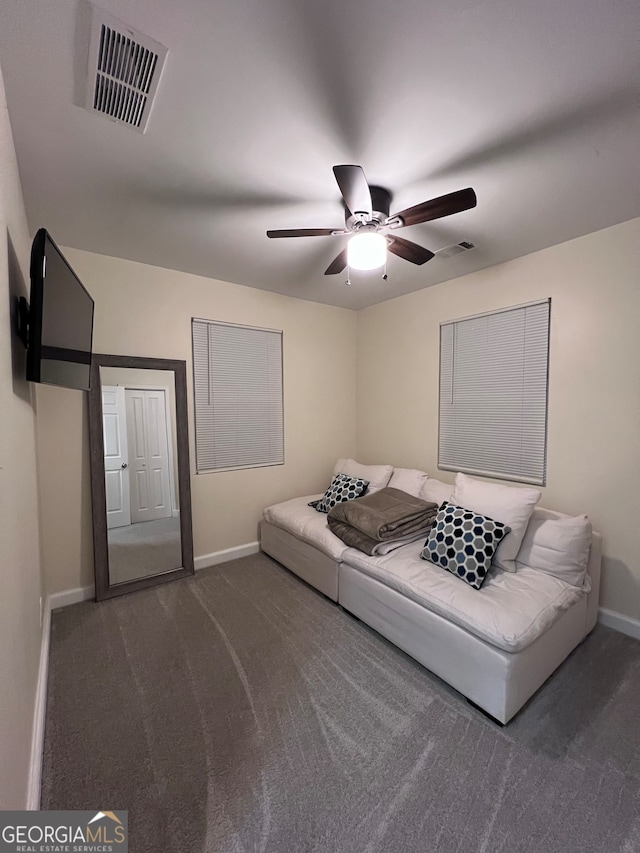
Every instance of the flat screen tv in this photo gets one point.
(60, 319)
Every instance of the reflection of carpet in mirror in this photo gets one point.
(143, 549)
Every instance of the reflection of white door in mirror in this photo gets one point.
(148, 454)
(116, 472)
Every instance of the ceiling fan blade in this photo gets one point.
(436, 208)
(354, 188)
(337, 264)
(408, 250)
(305, 232)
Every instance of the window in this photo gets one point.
(237, 378)
(493, 394)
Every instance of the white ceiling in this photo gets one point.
(533, 104)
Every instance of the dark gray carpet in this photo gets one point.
(241, 711)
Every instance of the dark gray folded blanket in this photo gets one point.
(384, 516)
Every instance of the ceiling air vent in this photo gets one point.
(124, 71)
(456, 249)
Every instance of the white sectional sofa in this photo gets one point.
(496, 645)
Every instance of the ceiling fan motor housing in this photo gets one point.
(380, 203)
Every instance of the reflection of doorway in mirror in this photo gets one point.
(137, 455)
(142, 519)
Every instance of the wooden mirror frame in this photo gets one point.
(104, 588)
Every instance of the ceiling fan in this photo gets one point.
(367, 220)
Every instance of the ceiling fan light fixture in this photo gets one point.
(366, 210)
(367, 251)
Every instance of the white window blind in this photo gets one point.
(493, 394)
(237, 377)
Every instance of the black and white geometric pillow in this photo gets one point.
(463, 543)
(342, 488)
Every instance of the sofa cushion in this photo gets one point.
(436, 491)
(342, 488)
(557, 544)
(463, 543)
(512, 506)
(301, 520)
(510, 611)
(409, 480)
(377, 475)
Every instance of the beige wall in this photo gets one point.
(319, 389)
(20, 633)
(594, 384)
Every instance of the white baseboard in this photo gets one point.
(625, 624)
(85, 593)
(52, 602)
(39, 712)
(207, 560)
(71, 596)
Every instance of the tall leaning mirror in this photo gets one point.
(141, 495)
